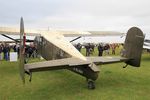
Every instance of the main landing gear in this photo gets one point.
(90, 84)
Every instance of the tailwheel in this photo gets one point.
(91, 84)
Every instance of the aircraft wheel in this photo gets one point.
(91, 85)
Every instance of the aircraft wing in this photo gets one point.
(146, 44)
(146, 47)
(32, 32)
(16, 31)
(90, 33)
(58, 40)
(104, 33)
(54, 37)
(70, 62)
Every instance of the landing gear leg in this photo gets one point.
(91, 84)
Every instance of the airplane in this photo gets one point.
(146, 44)
(61, 54)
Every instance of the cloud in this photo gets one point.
(116, 15)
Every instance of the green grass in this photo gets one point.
(114, 83)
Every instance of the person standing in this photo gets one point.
(113, 49)
(79, 46)
(1, 49)
(100, 50)
(87, 47)
(107, 49)
(6, 50)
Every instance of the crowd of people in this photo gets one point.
(31, 51)
(101, 47)
(5, 49)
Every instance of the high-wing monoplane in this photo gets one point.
(61, 54)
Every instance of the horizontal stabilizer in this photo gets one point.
(71, 62)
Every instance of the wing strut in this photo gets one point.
(9, 37)
(75, 39)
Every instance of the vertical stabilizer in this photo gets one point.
(134, 46)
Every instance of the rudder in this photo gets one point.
(133, 46)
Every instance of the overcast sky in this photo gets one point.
(114, 15)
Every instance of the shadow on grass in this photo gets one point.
(146, 58)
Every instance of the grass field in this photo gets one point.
(114, 83)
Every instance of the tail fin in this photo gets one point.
(133, 46)
(22, 51)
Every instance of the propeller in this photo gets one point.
(22, 50)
